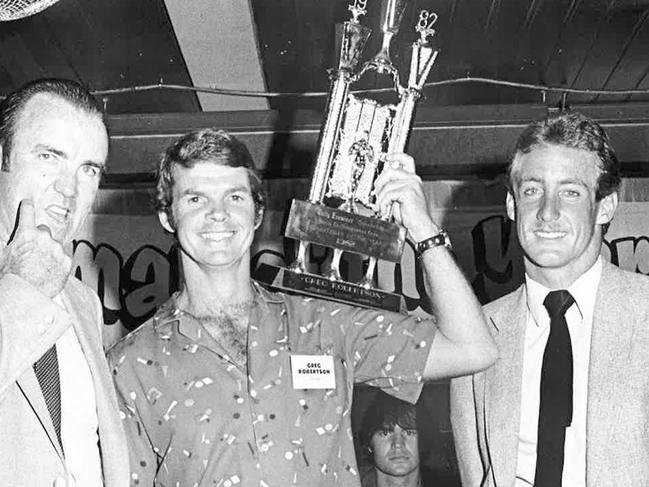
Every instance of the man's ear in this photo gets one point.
(165, 222)
(606, 208)
(259, 218)
(511, 206)
(4, 164)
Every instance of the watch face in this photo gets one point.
(440, 239)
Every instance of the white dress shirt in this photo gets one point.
(79, 424)
(580, 324)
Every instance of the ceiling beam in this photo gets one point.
(219, 43)
(454, 141)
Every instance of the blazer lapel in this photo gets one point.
(611, 340)
(113, 451)
(31, 389)
(503, 390)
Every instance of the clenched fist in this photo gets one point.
(34, 255)
(400, 191)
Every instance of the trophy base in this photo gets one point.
(321, 287)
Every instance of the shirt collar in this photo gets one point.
(266, 295)
(169, 313)
(583, 290)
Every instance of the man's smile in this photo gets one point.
(549, 235)
(217, 236)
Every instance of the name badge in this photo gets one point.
(313, 372)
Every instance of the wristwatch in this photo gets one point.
(441, 239)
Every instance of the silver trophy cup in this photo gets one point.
(356, 135)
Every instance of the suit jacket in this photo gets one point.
(485, 407)
(30, 323)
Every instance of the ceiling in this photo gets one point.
(286, 46)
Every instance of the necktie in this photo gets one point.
(47, 373)
(555, 412)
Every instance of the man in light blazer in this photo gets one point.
(516, 424)
(59, 423)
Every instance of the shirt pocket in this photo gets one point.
(305, 425)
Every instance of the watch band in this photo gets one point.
(441, 239)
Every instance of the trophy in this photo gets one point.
(356, 136)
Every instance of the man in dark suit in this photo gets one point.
(59, 423)
(567, 404)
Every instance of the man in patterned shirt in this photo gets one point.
(209, 387)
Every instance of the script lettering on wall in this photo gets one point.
(132, 283)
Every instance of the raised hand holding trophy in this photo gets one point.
(356, 136)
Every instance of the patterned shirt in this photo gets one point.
(193, 418)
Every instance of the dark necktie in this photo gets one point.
(555, 411)
(47, 373)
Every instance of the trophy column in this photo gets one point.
(422, 58)
(351, 38)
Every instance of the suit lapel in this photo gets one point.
(80, 312)
(83, 321)
(609, 351)
(111, 436)
(503, 391)
(84, 324)
(31, 389)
